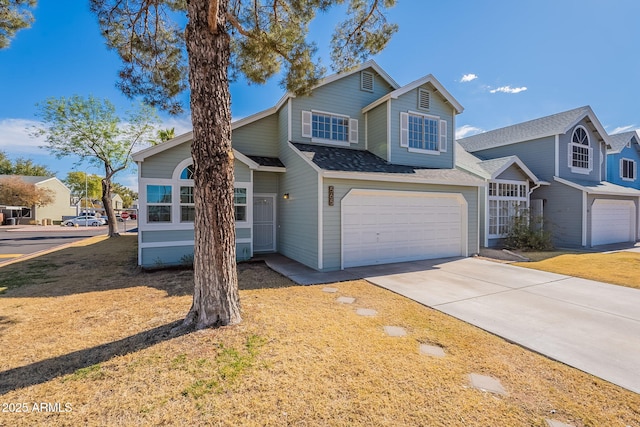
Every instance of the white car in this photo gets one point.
(93, 221)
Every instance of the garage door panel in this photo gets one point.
(395, 226)
(612, 221)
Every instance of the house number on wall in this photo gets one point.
(331, 195)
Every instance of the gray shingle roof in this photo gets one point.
(360, 163)
(485, 168)
(267, 161)
(619, 140)
(348, 160)
(600, 187)
(555, 124)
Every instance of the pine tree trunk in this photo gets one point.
(215, 298)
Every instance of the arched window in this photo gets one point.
(187, 202)
(580, 151)
(187, 173)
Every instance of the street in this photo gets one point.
(29, 239)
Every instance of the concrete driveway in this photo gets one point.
(589, 325)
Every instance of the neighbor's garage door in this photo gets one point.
(612, 221)
(380, 227)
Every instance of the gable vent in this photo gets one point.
(424, 99)
(366, 81)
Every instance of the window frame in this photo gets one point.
(577, 149)
(625, 170)
(350, 131)
(166, 204)
(517, 201)
(440, 136)
(241, 186)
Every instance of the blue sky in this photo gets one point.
(505, 61)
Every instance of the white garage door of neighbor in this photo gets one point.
(381, 227)
(612, 221)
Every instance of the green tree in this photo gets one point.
(127, 194)
(84, 186)
(164, 135)
(90, 129)
(14, 16)
(257, 39)
(22, 166)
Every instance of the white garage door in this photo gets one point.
(612, 221)
(380, 227)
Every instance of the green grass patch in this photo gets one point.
(93, 372)
(30, 273)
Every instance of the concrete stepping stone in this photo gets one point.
(330, 290)
(554, 423)
(432, 350)
(395, 331)
(346, 300)
(366, 312)
(486, 383)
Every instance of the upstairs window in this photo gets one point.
(580, 152)
(627, 169)
(187, 173)
(423, 133)
(329, 128)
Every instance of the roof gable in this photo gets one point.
(491, 169)
(619, 141)
(428, 79)
(555, 124)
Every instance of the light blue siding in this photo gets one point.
(597, 174)
(340, 97)
(163, 164)
(538, 155)
(154, 236)
(377, 131)
(408, 102)
(165, 256)
(614, 174)
(259, 138)
(241, 172)
(265, 182)
(562, 213)
(332, 221)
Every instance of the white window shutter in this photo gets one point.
(590, 158)
(404, 129)
(353, 131)
(570, 155)
(306, 124)
(443, 136)
(634, 167)
(621, 168)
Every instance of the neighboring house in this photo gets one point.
(509, 184)
(623, 158)
(568, 151)
(55, 211)
(360, 172)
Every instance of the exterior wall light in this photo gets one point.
(285, 196)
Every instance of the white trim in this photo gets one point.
(389, 131)
(634, 167)
(275, 221)
(289, 121)
(320, 224)
(486, 214)
(584, 218)
(413, 85)
(421, 151)
(571, 145)
(557, 157)
(366, 132)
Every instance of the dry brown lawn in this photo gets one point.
(619, 268)
(89, 335)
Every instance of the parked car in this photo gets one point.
(93, 221)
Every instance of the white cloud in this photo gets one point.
(467, 130)
(508, 89)
(621, 129)
(15, 137)
(468, 77)
(181, 125)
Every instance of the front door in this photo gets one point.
(264, 223)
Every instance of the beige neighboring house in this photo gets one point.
(55, 211)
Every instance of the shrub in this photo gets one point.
(528, 234)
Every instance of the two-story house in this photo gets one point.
(360, 172)
(568, 152)
(623, 158)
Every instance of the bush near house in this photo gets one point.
(528, 234)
